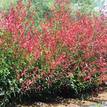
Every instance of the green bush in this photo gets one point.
(12, 63)
(86, 6)
(42, 8)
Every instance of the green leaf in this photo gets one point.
(92, 59)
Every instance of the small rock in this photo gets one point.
(72, 105)
(40, 104)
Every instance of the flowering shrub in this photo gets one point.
(66, 53)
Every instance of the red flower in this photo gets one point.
(23, 73)
(87, 78)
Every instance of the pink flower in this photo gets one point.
(58, 61)
(87, 78)
(37, 53)
(23, 73)
(1, 41)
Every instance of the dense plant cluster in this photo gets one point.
(64, 54)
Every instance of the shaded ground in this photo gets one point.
(98, 101)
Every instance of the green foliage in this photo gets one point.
(8, 82)
(85, 6)
(42, 8)
(5, 4)
(12, 63)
